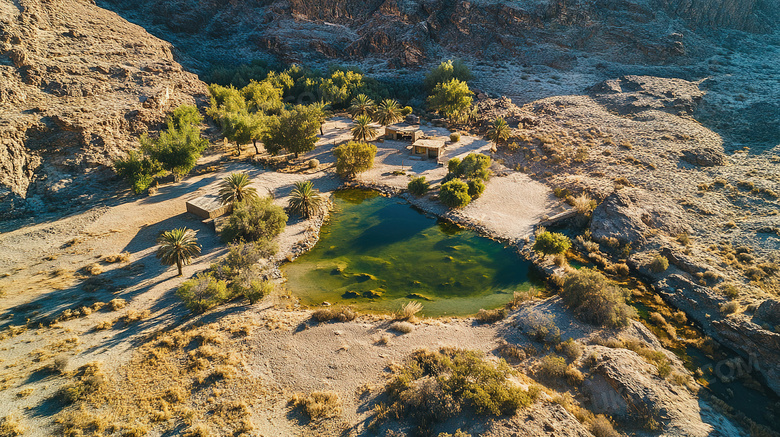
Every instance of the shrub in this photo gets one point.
(455, 194)
(659, 264)
(729, 308)
(11, 426)
(447, 71)
(409, 310)
(433, 386)
(202, 292)
(551, 243)
(552, 366)
(255, 290)
(473, 166)
(353, 158)
(313, 163)
(117, 304)
(454, 137)
(451, 99)
(118, 257)
(490, 316)
(89, 379)
(600, 426)
(476, 188)
(418, 186)
(138, 169)
(573, 376)
(402, 327)
(595, 300)
(255, 219)
(571, 349)
(406, 110)
(318, 404)
(341, 314)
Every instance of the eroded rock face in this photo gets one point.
(79, 84)
(630, 214)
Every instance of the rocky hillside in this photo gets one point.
(79, 83)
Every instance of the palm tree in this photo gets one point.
(235, 188)
(361, 105)
(322, 113)
(363, 131)
(177, 246)
(500, 131)
(388, 112)
(305, 200)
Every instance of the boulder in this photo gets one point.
(704, 157)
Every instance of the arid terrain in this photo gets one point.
(664, 114)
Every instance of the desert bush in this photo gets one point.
(729, 308)
(406, 110)
(454, 137)
(600, 426)
(409, 310)
(402, 327)
(573, 375)
(511, 352)
(318, 404)
(476, 188)
(657, 319)
(619, 269)
(255, 290)
(552, 366)
(473, 166)
(94, 269)
(570, 349)
(490, 316)
(341, 314)
(519, 297)
(595, 300)
(433, 386)
(447, 71)
(730, 290)
(117, 257)
(203, 292)
(89, 379)
(418, 186)
(583, 204)
(255, 219)
(659, 264)
(138, 169)
(117, 304)
(313, 163)
(455, 194)
(197, 430)
(354, 157)
(551, 243)
(458, 433)
(11, 426)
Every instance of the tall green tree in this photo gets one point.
(362, 130)
(452, 99)
(447, 71)
(361, 105)
(499, 132)
(235, 188)
(305, 200)
(263, 97)
(353, 158)
(321, 111)
(294, 130)
(388, 112)
(237, 127)
(177, 150)
(177, 246)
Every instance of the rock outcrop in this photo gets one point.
(79, 84)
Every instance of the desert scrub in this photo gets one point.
(11, 426)
(254, 219)
(402, 327)
(318, 404)
(117, 304)
(454, 137)
(551, 243)
(117, 257)
(455, 194)
(600, 426)
(595, 300)
(89, 379)
(409, 311)
(432, 386)
(418, 186)
(341, 314)
(658, 264)
(570, 349)
(729, 308)
(203, 292)
(490, 316)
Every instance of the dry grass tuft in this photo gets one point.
(600, 426)
(117, 257)
(318, 405)
(105, 324)
(490, 316)
(409, 311)
(199, 430)
(11, 426)
(341, 314)
(135, 316)
(402, 327)
(117, 304)
(94, 269)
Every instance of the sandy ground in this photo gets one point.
(42, 274)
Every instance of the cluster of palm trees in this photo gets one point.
(365, 112)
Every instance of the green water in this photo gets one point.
(377, 253)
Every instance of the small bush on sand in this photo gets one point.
(418, 186)
(318, 404)
(89, 379)
(455, 194)
(117, 257)
(454, 137)
(11, 426)
(473, 166)
(341, 314)
(203, 292)
(600, 426)
(313, 163)
(491, 316)
(254, 219)
(552, 366)
(433, 386)
(117, 304)
(476, 188)
(409, 310)
(573, 375)
(197, 430)
(402, 327)
(595, 300)
(729, 308)
(570, 349)
(353, 158)
(659, 264)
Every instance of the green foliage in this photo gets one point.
(595, 300)
(446, 71)
(239, 75)
(659, 264)
(224, 101)
(235, 188)
(341, 86)
(255, 219)
(203, 292)
(454, 137)
(434, 386)
(551, 243)
(177, 150)
(138, 169)
(552, 366)
(295, 131)
(388, 112)
(499, 132)
(473, 166)
(363, 130)
(451, 99)
(476, 188)
(354, 157)
(361, 105)
(406, 110)
(418, 186)
(177, 246)
(263, 97)
(305, 200)
(184, 116)
(455, 194)
(242, 128)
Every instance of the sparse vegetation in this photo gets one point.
(491, 316)
(203, 292)
(551, 243)
(177, 246)
(402, 327)
(255, 220)
(340, 314)
(659, 264)
(454, 137)
(552, 367)
(318, 404)
(409, 310)
(353, 158)
(418, 186)
(11, 426)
